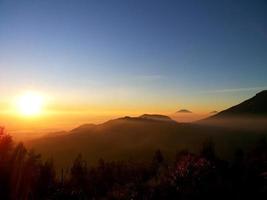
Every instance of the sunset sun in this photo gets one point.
(30, 104)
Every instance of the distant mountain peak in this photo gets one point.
(155, 117)
(147, 118)
(184, 111)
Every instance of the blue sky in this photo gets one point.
(126, 53)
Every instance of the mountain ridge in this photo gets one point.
(139, 137)
(255, 106)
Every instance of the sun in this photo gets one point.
(30, 104)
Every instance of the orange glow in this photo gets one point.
(30, 104)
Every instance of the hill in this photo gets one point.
(250, 115)
(137, 138)
(157, 117)
(255, 106)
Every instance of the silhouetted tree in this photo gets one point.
(79, 175)
(17, 169)
(189, 176)
(46, 180)
(6, 144)
(157, 162)
(208, 150)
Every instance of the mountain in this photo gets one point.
(183, 111)
(255, 106)
(250, 115)
(157, 117)
(84, 127)
(117, 139)
(213, 112)
(137, 138)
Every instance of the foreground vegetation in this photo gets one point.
(24, 175)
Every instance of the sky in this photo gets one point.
(127, 57)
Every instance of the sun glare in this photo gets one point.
(30, 104)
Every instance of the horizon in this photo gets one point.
(133, 99)
(88, 62)
(29, 131)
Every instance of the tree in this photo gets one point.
(208, 150)
(6, 146)
(47, 179)
(79, 175)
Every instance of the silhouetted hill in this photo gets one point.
(84, 127)
(255, 106)
(146, 117)
(157, 117)
(250, 115)
(213, 112)
(138, 137)
(122, 138)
